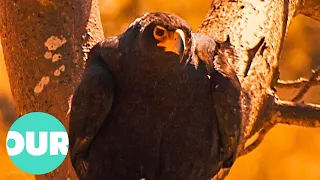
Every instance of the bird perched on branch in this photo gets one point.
(156, 102)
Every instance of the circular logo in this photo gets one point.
(37, 143)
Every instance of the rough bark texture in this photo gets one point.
(257, 30)
(310, 8)
(45, 44)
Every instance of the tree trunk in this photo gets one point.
(257, 30)
(45, 44)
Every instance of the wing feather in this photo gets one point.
(91, 104)
(226, 96)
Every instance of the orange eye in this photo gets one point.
(159, 32)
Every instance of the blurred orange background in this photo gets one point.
(288, 152)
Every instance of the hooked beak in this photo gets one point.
(174, 43)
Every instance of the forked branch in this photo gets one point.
(306, 84)
(261, 134)
(297, 83)
(286, 112)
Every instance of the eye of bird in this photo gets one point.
(159, 32)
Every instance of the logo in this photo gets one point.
(37, 143)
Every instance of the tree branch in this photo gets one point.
(300, 114)
(44, 45)
(310, 8)
(286, 112)
(306, 87)
(261, 134)
(301, 82)
(297, 83)
(236, 21)
(287, 109)
(223, 172)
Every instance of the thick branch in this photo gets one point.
(306, 115)
(257, 45)
(221, 174)
(44, 45)
(261, 134)
(310, 8)
(285, 112)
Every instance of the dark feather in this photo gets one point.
(226, 91)
(91, 105)
(139, 112)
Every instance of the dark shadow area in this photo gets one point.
(7, 111)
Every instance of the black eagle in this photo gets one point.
(155, 103)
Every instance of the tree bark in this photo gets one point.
(257, 30)
(44, 45)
